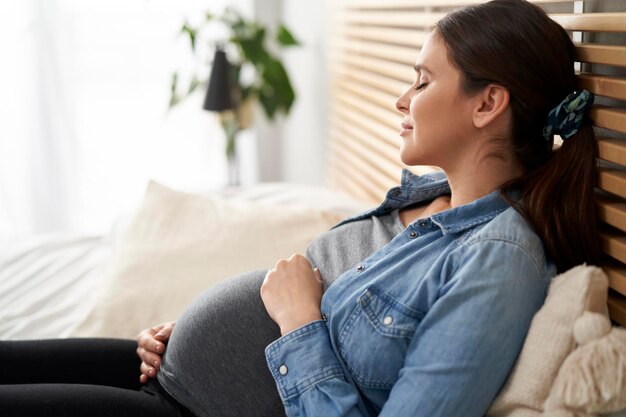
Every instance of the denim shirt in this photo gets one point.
(428, 325)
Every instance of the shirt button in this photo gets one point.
(423, 223)
(387, 320)
(283, 369)
(360, 268)
(397, 193)
(413, 235)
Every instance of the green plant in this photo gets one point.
(270, 84)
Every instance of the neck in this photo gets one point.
(477, 180)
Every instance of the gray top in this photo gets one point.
(339, 249)
(215, 363)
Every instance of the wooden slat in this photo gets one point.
(614, 244)
(393, 18)
(389, 85)
(601, 54)
(387, 150)
(394, 53)
(616, 272)
(379, 104)
(392, 70)
(617, 308)
(613, 150)
(612, 181)
(602, 85)
(592, 22)
(377, 130)
(612, 211)
(346, 150)
(407, 37)
(398, 4)
(355, 174)
(609, 118)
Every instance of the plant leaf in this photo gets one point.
(192, 35)
(285, 38)
(173, 84)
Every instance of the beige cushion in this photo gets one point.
(549, 341)
(178, 244)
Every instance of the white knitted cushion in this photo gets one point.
(549, 341)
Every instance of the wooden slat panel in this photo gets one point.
(402, 54)
(355, 175)
(602, 85)
(617, 308)
(393, 19)
(376, 129)
(595, 22)
(387, 156)
(613, 150)
(407, 37)
(612, 181)
(617, 276)
(612, 211)
(379, 105)
(389, 85)
(397, 4)
(346, 150)
(601, 54)
(384, 149)
(352, 138)
(609, 118)
(400, 72)
(614, 244)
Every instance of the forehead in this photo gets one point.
(433, 57)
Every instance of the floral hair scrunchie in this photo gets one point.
(565, 119)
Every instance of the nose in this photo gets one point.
(402, 103)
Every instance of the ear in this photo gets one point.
(491, 102)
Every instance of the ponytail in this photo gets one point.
(557, 199)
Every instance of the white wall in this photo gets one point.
(293, 149)
(305, 131)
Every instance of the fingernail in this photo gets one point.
(154, 362)
(160, 334)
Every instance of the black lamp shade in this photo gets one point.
(219, 95)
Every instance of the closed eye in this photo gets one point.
(422, 85)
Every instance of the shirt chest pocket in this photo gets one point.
(374, 340)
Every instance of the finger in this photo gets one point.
(166, 331)
(147, 370)
(318, 275)
(150, 358)
(145, 338)
(143, 379)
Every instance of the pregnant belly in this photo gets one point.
(216, 353)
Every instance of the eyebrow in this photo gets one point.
(421, 67)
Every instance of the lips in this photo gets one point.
(406, 127)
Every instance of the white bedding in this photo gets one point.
(48, 284)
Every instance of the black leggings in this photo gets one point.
(78, 377)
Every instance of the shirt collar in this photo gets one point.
(417, 188)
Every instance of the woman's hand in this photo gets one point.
(151, 347)
(292, 293)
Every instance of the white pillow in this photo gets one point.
(178, 244)
(549, 341)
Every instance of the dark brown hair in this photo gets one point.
(514, 44)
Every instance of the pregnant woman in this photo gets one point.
(418, 307)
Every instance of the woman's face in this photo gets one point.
(437, 115)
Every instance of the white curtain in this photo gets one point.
(83, 112)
